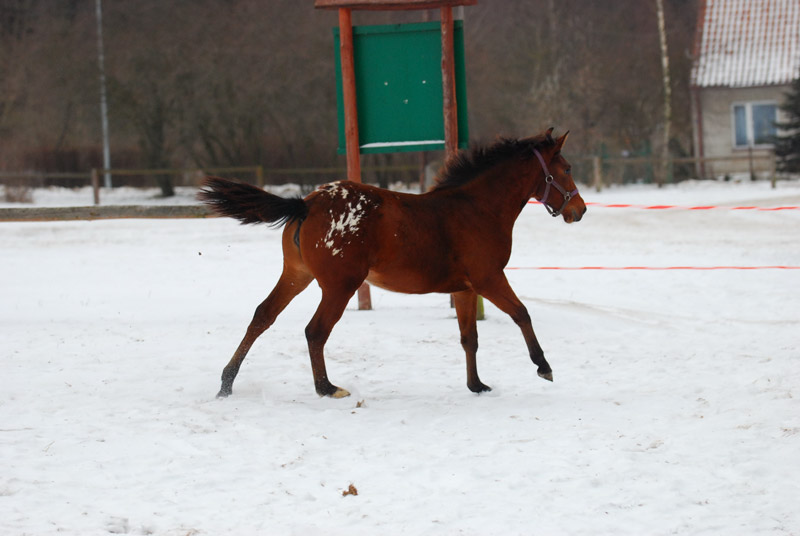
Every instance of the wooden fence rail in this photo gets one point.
(259, 172)
(764, 163)
(110, 212)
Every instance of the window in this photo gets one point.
(754, 123)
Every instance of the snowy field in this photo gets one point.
(675, 407)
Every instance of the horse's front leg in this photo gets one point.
(466, 303)
(499, 292)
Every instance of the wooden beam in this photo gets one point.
(108, 212)
(349, 95)
(393, 5)
(449, 85)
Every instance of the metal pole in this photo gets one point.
(103, 103)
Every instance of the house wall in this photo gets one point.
(717, 124)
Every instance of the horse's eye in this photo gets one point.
(568, 171)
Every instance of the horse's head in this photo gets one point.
(558, 192)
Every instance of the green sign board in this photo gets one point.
(398, 70)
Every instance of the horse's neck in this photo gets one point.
(503, 191)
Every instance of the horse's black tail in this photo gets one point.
(250, 204)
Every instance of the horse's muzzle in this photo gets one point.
(573, 214)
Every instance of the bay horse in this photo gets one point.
(455, 239)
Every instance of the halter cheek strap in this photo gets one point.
(548, 179)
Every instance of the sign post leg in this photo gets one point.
(450, 108)
(351, 119)
(449, 85)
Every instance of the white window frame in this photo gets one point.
(748, 117)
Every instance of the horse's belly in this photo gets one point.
(415, 282)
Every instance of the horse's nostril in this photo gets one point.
(584, 211)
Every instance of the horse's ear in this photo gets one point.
(560, 141)
(549, 132)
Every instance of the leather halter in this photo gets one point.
(549, 180)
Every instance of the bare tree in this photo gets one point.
(662, 34)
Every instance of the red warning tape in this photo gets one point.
(681, 207)
(653, 268)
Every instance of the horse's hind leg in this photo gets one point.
(289, 285)
(333, 304)
(466, 303)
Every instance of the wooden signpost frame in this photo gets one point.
(450, 113)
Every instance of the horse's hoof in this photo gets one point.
(332, 391)
(340, 393)
(224, 393)
(546, 375)
(480, 388)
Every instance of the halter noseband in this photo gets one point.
(548, 179)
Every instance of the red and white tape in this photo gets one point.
(664, 268)
(680, 207)
(659, 268)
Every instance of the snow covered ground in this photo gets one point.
(675, 407)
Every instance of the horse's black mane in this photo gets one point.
(467, 165)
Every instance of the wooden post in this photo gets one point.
(349, 94)
(449, 85)
(351, 119)
(773, 170)
(597, 168)
(700, 147)
(450, 105)
(423, 164)
(449, 109)
(260, 176)
(96, 186)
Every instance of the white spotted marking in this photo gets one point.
(346, 223)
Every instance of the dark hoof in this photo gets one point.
(546, 375)
(480, 388)
(333, 392)
(225, 392)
